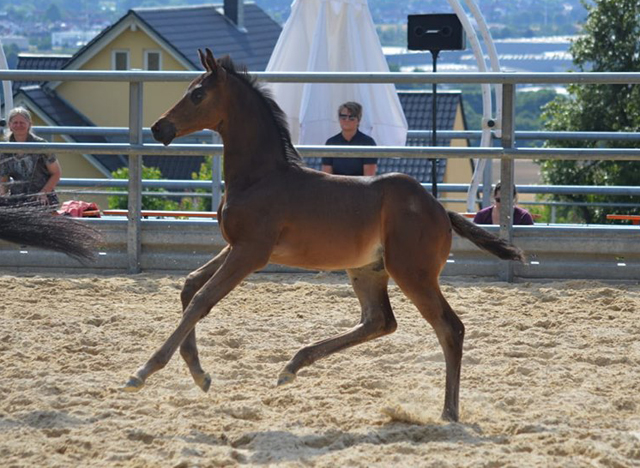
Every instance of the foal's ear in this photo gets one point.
(207, 61)
(202, 61)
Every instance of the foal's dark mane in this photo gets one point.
(291, 155)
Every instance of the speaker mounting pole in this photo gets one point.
(435, 32)
(434, 117)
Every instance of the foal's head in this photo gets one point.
(201, 107)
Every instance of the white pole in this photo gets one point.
(486, 100)
(497, 122)
(6, 84)
(493, 59)
(488, 122)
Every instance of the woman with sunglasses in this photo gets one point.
(350, 114)
(491, 215)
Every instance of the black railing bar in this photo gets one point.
(105, 131)
(444, 199)
(444, 134)
(606, 204)
(629, 154)
(334, 77)
(122, 193)
(149, 183)
(462, 188)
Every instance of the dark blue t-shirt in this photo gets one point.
(350, 166)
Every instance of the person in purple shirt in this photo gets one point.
(491, 215)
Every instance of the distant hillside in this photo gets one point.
(514, 18)
(37, 19)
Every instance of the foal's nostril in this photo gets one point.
(163, 131)
(155, 129)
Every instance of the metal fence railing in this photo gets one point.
(506, 133)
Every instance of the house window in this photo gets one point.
(120, 60)
(152, 60)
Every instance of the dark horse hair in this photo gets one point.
(280, 119)
(37, 227)
(461, 225)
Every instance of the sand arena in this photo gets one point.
(551, 377)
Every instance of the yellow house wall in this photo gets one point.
(75, 166)
(458, 169)
(107, 104)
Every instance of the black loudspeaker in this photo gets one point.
(441, 31)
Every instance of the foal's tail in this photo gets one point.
(26, 225)
(484, 239)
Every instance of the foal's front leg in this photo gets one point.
(189, 348)
(238, 264)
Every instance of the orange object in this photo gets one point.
(79, 209)
(635, 219)
(168, 214)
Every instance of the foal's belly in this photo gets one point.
(328, 253)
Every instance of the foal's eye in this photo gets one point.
(197, 95)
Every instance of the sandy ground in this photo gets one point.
(551, 377)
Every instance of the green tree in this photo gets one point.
(52, 13)
(201, 203)
(11, 52)
(149, 202)
(609, 44)
(528, 114)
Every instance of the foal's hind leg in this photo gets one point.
(188, 348)
(425, 294)
(370, 286)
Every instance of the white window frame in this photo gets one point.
(114, 54)
(146, 58)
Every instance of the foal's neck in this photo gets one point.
(251, 138)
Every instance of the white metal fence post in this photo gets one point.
(134, 228)
(506, 174)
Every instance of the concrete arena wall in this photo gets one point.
(555, 252)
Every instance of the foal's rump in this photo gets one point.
(416, 213)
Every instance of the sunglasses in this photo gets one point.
(347, 117)
(497, 199)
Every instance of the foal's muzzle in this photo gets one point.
(164, 131)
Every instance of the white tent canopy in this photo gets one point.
(334, 35)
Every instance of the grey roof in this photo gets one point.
(38, 62)
(175, 167)
(190, 28)
(417, 107)
(418, 112)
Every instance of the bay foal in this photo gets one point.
(276, 210)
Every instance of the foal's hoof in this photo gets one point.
(203, 381)
(134, 384)
(286, 377)
(449, 415)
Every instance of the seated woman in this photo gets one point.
(491, 215)
(350, 115)
(28, 178)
